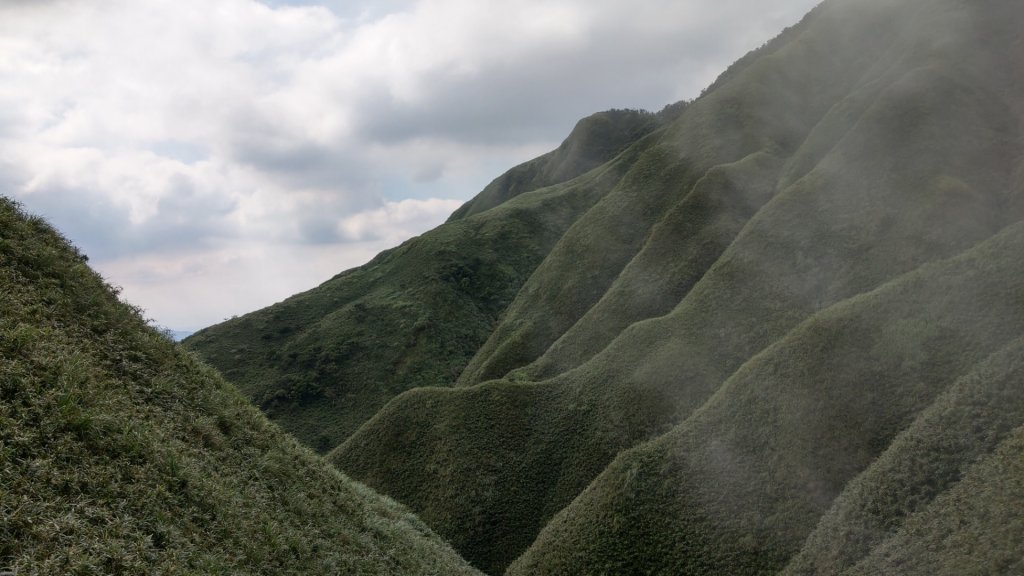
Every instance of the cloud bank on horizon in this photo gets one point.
(215, 156)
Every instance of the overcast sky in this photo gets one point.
(215, 156)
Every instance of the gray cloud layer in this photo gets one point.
(215, 156)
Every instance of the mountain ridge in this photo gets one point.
(857, 179)
(305, 360)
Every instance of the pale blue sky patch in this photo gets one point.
(357, 11)
(187, 152)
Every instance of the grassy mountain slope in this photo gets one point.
(893, 147)
(695, 232)
(122, 454)
(322, 362)
(583, 263)
(964, 425)
(738, 486)
(974, 529)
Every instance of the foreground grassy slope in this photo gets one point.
(322, 362)
(974, 529)
(897, 148)
(122, 454)
(738, 486)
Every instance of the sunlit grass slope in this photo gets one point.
(122, 454)
(323, 362)
(889, 136)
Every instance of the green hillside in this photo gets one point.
(973, 529)
(931, 456)
(122, 454)
(323, 362)
(779, 331)
(738, 486)
(883, 149)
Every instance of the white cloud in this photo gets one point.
(221, 154)
(199, 288)
(396, 221)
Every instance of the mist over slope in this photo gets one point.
(122, 454)
(738, 486)
(780, 334)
